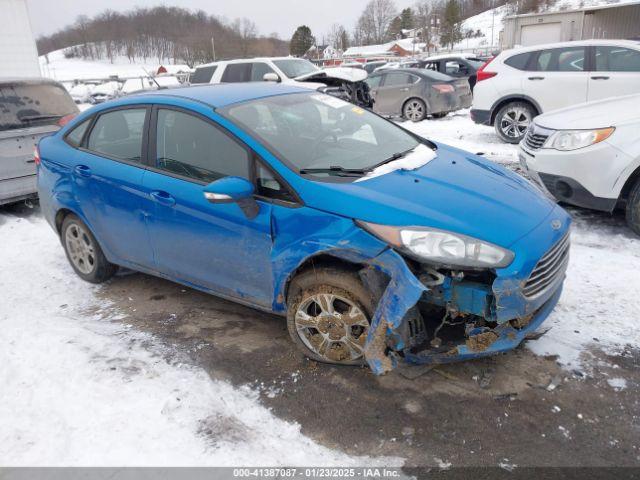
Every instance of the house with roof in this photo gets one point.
(405, 47)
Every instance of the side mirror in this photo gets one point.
(233, 190)
(271, 77)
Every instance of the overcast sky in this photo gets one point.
(281, 16)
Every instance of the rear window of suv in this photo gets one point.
(520, 61)
(24, 105)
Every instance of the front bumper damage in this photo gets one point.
(440, 316)
(488, 319)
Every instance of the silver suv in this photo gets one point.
(29, 110)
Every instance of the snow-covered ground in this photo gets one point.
(599, 306)
(79, 387)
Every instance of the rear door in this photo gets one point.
(616, 73)
(558, 78)
(396, 87)
(107, 172)
(236, 73)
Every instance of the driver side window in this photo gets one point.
(192, 147)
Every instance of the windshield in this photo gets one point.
(318, 131)
(295, 67)
(24, 105)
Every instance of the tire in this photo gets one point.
(84, 252)
(439, 115)
(512, 121)
(633, 208)
(415, 110)
(337, 339)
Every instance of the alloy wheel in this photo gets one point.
(332, 326)
(515, 122)
(80, 247)
(414, 111)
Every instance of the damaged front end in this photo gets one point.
(434, 314)
(347, 84)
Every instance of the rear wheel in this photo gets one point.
(513, 120)
(414, 110)
(328, 315)
(633, 208)
(84, 252)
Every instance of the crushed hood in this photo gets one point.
(455, 191)
(345, 74)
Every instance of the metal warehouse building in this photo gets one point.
(619, 21)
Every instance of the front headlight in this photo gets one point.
(442, 247)
(565, 140)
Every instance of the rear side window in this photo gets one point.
(237, 72)
(203, 74)
(617, 59)
(25, 105)
(561, 60)
(118, 134)
(74, 137)
(520, 61)
(397, 79)
(191, 147)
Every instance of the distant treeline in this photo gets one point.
(164, 34)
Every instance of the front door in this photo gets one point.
(212, 246)
(617, 73)
(107, 175)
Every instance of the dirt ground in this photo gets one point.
(502, 411)
(497, 411)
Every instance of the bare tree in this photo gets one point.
(247, 31)
(338, 37)
(373, 24)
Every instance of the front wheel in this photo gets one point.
(328, 315)
(414, 110)
(513, 120)
(84, 252)
(633, 208)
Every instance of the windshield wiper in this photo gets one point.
(393, 158)
(337, 170)
(30, 118)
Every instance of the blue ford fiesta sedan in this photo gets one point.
(376, 244)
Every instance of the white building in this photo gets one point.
(18, 52)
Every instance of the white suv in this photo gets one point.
(519, 84)
(346, 83)
(589, 155)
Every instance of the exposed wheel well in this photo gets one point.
(506, 101)
(631, 181)
(322, 261)
(60, 216)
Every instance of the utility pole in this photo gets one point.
(493, 21)
(213, 48)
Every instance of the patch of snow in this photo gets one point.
(417, 158)
(617, 383)
(81, 389)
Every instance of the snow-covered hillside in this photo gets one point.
(57, 67)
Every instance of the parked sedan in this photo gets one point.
(415, 93)
(304, 205)
(589, 155)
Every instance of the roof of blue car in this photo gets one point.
(224, 94)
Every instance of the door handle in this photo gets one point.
(163, 198)
(602, 77)
(82, 171)
(536, 78)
